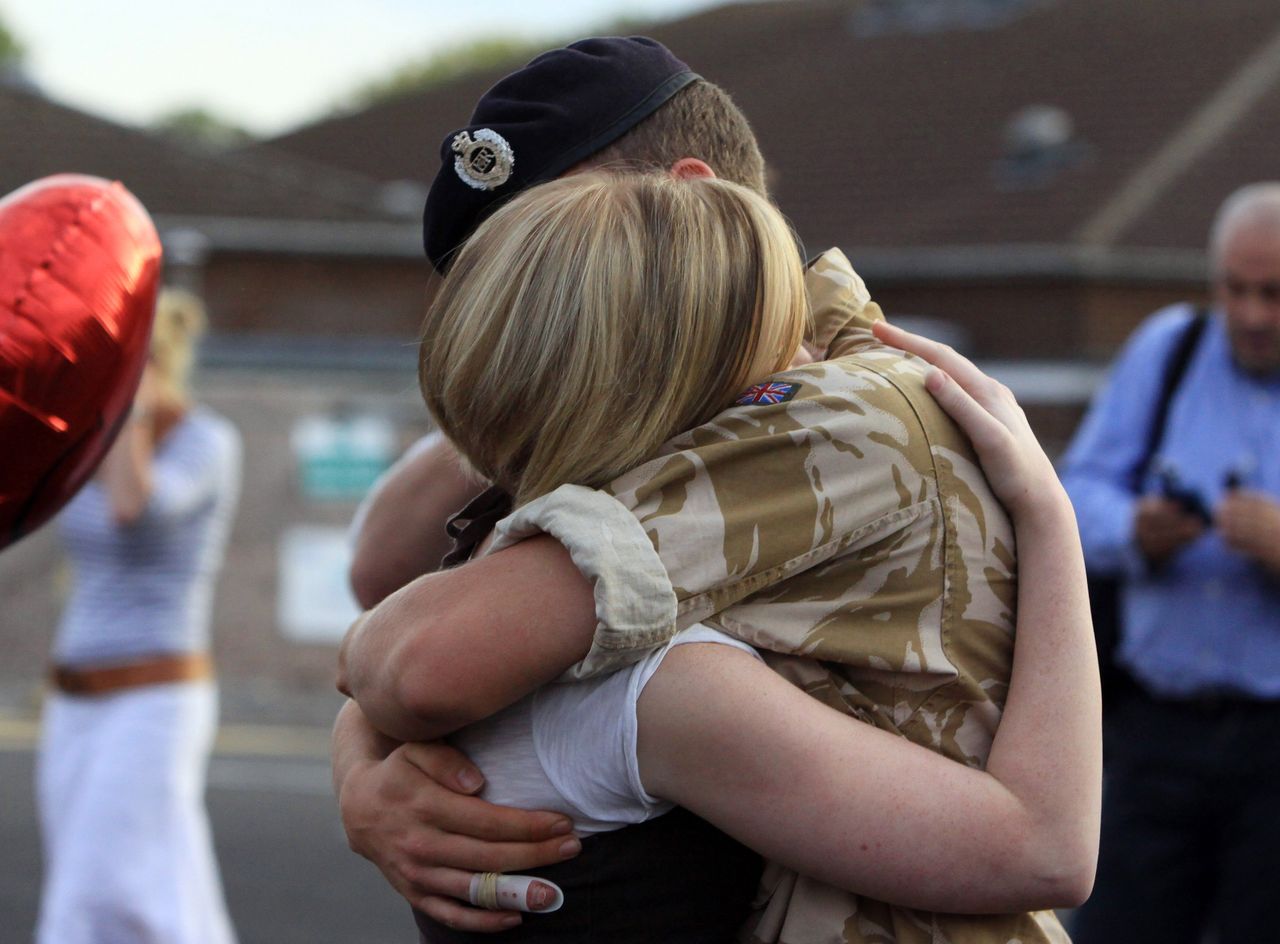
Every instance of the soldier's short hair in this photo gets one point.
(596, 316)
(702, 121)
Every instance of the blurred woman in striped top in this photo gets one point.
(130, 723)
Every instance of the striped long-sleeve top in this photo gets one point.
(146, 588)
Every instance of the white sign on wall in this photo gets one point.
(314, 602)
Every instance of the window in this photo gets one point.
(887, 17)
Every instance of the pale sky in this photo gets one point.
(267, 65)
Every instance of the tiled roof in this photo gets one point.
(894, 140)
(1247, 153)
(398, 139)
(42, 137)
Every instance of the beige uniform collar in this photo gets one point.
(838, 299)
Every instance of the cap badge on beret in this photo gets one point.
(484, 161)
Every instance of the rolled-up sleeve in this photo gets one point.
(736, 506)
(635, 602)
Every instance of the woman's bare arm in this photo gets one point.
(838, 800)
(841, 801)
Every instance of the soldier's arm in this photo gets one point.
(454, 647)
(399, 529)
(601, 579)
(410, 809)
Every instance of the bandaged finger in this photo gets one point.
(497, 892)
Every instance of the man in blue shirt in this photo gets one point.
(1191, 814)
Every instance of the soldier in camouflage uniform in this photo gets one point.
(847, 529)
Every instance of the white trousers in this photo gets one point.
(120, 787)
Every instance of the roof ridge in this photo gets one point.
(1197, 135)
(268, 162)
(297, 177)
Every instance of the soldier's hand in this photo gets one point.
(1163, 527)
(1250, 524)
(343, 679)
(411, 813)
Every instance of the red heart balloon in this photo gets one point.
(79, 269)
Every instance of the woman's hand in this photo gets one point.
(127, 471)
(148, 399)
(1015, 465)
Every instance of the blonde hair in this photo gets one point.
(179, 323)
(594, 317)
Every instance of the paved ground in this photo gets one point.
(289, 876)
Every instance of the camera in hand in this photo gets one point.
(1190, 500)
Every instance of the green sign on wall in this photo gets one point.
(340, 457)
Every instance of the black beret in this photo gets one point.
(538, 122)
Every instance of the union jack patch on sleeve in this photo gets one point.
(772, 391)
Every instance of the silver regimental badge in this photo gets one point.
(483, 161)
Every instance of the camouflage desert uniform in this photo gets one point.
(849, 531)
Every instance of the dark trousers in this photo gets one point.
(1190, 824)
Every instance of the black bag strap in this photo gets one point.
(1174, 370)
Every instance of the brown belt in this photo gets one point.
(154, 670)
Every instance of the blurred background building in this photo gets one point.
(1024, 178)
